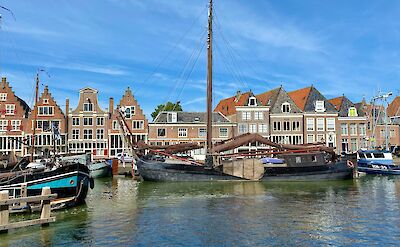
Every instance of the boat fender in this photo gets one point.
(350, 164)
(91, 183)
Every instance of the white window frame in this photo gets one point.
(344, 129)
(45, 110)
(141, 124)
(165, 132)
(88, 122)
(320, 106)
(76, 121)
(252, 99)
(3, 125)
(243, 128)
(312, 138)
(202, 132)
(320, 124)
(258, 115)
(100, 134)
(351, 129)
(246, 115)
(310, 124)
(285, 105)
(87, 107)
(75, 134)
(223, 132)
(252, 128)
(10, 109)
(100, 121)
(15, 125)
(115, 125)
(182, 132)
(3, 96)
(355, 110)
(86, 135)
(330, 121)
(263, 128)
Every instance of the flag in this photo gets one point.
(56, 131)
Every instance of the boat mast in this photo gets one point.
(35, 115)
(209, 87)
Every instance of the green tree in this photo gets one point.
(168, 107)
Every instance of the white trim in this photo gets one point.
(352, 118)
(321, 114)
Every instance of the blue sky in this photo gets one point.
(156, 48)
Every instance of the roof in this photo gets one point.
(269, 97)
(228, 106)
(393, 108)
(342, 104)
(337, 102)
(300, 97)
(191, 117)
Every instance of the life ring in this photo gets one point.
(350, 164)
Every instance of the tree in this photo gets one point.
(168, 107)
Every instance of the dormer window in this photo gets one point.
(196, 119)
(87, 107)
(285, 107)
(319, 106)
(45, 101)
(252, 101)
(353, 112)
(3, 96)
(172, 117)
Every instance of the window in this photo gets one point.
(161, 132)
(353, 144)
(277, 126)
(320, 138)
(182, 132)
(392, 133)
(100, 121)
(75, 121)
(263, 128)
(10, 109)
(319, 106)
(45, 110)
(45, 101)
(296, 126)
(75, 134)
(242, 128)
(344, 128)
(44, 125)
(87, 134)
(345, 145)
(310, 124)
(285, 107)
(87, 121)
(320, 124)
(298, 159)
(115, 125)
(3, 125)
(252, 128)
(138, 124)
(129, 111)
(353, 129)
(286, 125)
(202, 132)
(3, 96)
(258, 115)
(15, 125)
(172, 117)
(246, 115)
(252, 101)
(88, 107)
(310, 138)
(223, 132)
(330, 124)
(363, 130)
(353, 112)
(99, 134)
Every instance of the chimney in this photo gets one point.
(66, 106)
(66, 119)
(111, 106)
(238, 94)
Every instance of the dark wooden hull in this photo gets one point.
(334, 171)
(170, 172)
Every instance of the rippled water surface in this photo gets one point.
(122, 212)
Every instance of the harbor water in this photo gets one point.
(124, 212)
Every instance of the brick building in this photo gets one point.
(13, 114)
(352, 125)
(88, 125)
(134, 117)
(49, 115)
(319, 116)
(170, 128)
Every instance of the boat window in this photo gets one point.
(298, 159)
(368, 155)
(379, 155)
(314, 158)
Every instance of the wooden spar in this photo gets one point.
(209, 84)
(170, 149)
(127, 133)
(35, 115)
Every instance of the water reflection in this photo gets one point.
(125, 212)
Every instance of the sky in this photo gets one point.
(157, 48)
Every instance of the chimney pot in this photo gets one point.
(111, 106)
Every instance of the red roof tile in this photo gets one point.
(300, 97)
(337, 102)
(227, 106)
(393, 108)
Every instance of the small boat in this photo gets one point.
(99, 169)
(376, 162)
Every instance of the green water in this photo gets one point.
(123, 212)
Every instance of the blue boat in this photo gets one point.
(376, 162)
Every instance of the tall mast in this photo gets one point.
(35, 113)
(209, 82)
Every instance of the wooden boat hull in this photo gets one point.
(67, 181)
(171, 172)
(99, 169)
(335, 171)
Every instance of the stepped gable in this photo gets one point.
(6, 88)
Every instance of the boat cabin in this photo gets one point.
(375, 156)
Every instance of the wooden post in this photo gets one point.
(4, 213)
(46, 208)
(115, 167)
(24, 193)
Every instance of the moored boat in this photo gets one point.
(376, 162)
(99, 169)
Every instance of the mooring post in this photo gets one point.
(46, 208)
(4, 210)
(24, 193)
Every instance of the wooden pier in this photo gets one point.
(6, 203)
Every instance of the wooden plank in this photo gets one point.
(27, 199)
(46, 208)
(26, 223)
(4, 209)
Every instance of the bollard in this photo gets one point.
(46, 208)
(4, 212)
(114, 167)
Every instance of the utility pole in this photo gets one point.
(383, 97)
